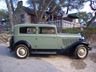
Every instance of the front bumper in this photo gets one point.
(89, 48)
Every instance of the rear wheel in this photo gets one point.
(22, 51)
(81, 51)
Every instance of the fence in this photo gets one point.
(62, 24)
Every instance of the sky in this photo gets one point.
(86, 7)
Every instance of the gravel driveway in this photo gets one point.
(46, 63)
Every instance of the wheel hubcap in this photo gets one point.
(21, 52)
(82, 52)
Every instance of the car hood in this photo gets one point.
(69, 35)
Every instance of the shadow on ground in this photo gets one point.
(4, 51)
(78, 64)
(92, 57)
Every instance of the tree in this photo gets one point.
(73, 4)
(10, 14)
(93, 7)
(45, 8)
(10, 5)
(4, 14)
(84, 17)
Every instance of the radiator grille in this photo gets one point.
(69, 41)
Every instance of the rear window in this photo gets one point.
(46, 30)
(27, 30)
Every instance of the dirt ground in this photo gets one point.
(46, 63)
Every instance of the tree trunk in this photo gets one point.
(10, 14)
(68, 7)
(35, 11)
(53, 9)
(90, 22)
(11, 2)
(41, 16)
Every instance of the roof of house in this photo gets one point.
(73, 15)
(28, 10)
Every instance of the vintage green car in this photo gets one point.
(44, 39)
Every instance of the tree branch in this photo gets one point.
(35, 10)
(91, 3)
(11, 2)
(90, 22)
(45, 9)
(68, 7)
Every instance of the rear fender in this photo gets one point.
(22, 42)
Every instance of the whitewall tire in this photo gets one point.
(22, 51)
(81, 51)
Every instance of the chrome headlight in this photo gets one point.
(82, 38)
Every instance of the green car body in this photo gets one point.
(44, 37)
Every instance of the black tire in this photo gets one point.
(22, 51)
(81, 52)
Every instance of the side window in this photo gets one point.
(46, 30)
(31, 30)
(28, 30)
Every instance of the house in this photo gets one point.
(25, 15)
(71, 21)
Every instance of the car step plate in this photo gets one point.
(43, 52)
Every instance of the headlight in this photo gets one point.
(82, 39)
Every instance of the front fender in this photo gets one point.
(22, 42)
(72, 47)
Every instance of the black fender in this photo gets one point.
(11, 42)
(72, 47)
(22, 42)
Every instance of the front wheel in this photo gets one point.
(22, 51)
(81, 51)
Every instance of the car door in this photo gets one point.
(47, 38)
(28, 34)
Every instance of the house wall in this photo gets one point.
(67, 24)
(27, 18)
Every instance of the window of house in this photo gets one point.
(22, 18)
(28, 30)
(46, 30)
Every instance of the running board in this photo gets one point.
(43, 52)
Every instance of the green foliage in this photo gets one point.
(71, 30)
(86, 32)
(4, 14)
(74, 4)
(84, 17)
(90, 30)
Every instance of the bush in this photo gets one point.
(89, 33)
(88, 30)
(71, 30)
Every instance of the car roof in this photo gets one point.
(34, 25)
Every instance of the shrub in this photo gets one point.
(88, 30)
(71, 30)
